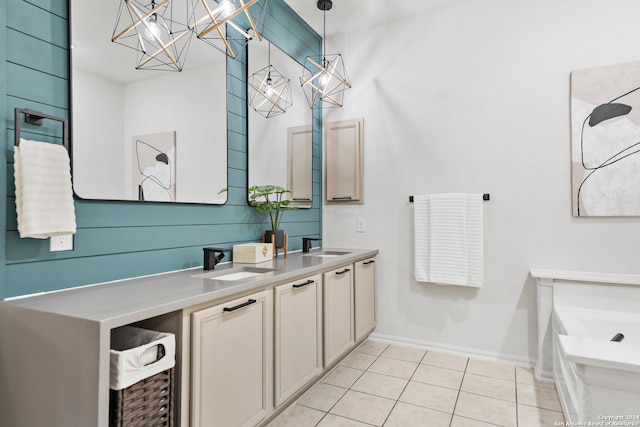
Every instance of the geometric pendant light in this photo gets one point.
(269, 91)
(324, 77)
(153, 31)
(240, 28)
(161, 31)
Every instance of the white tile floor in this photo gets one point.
(395, 386)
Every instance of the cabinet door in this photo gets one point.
(365, 297)
(298, 335)
(338, 313)
(232, 362)
(300, 165)
(344, 142)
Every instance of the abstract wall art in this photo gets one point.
(605, 140)
(154, 166)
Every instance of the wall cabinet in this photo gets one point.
(231, 375)
(300, 165)
(338, 313)
(365, 297)
(344, 161)
(298, 335)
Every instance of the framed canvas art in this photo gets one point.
(605, 140)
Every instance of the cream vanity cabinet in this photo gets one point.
(231, 362)
(338, 313)
(298, 335)
(365, 297)
(244, 350)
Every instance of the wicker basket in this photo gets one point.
(147, 403)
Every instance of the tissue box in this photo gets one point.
(252, 253)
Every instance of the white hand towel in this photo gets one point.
(44, 196)
(449, 239)
(421, 237)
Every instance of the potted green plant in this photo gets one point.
(271, 199)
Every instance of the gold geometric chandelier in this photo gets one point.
(161, 31)
(152, 30)
(324, 77)
(269, 91)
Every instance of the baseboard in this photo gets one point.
(457, 350)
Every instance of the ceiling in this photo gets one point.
(336, 16)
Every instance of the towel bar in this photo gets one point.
(34, 117)
(485, 196)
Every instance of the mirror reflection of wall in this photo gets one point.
(141, 134)
(278, 148)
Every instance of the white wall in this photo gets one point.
(97, 105)
(474, 97)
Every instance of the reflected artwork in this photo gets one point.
(154, 167)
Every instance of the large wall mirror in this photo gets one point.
(142, 134)
(280, 147)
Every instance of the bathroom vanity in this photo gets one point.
(250, 338)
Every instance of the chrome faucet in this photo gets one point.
(306, 244)
(213, 256)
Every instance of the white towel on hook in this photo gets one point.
(44, 196)
(448, 239)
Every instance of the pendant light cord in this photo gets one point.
(269, 62)
(324, 38)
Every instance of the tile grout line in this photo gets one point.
(404, 388)
(349, 388)
(464, 373)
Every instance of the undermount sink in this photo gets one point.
(326, 254)
(232, 274)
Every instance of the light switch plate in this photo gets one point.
(61, 243)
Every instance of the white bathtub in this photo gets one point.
(597, 380)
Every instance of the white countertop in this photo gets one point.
(114, 304)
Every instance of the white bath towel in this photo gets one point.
(448, 240)
(44, 196)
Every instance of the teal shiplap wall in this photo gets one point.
(116, 240)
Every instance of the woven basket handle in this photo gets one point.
(160, 352)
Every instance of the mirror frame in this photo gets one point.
(72, 139)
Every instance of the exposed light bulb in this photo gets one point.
(324, 81)
(270, 92)
(227, 7)
(152, 29)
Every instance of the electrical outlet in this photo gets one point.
(61, 243)
(360, 225)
